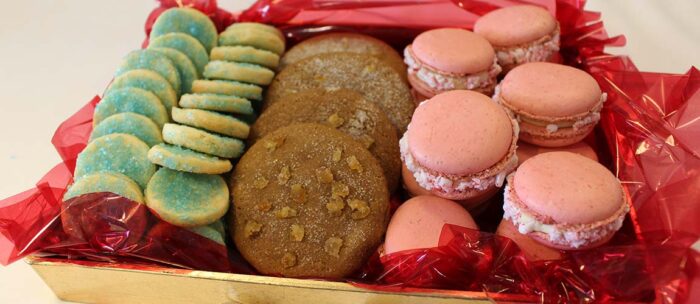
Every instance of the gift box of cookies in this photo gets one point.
(378, 151)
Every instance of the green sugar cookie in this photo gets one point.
(246, 54)
(129, 123)
(185, 44)
(154, 61)
(150, 81)
(116, 183)
(243, 72)
(257, 26)
(189, 21)
(209, 232)
(217, 102)
(202, 141)
(219, 227)
(225, 87)
(212, 121)
(121, 153)
(131, 99)
(187, 199)
(252, 37)
(185, 67)
(181, 159)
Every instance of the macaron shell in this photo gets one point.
(549, 90)
(539, 136)
(533, 249)
(515, 25)
(459, 132)
(526, 151)
(418, 223)
(471, 203)
(567, 188)
(453, 51)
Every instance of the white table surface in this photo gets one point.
(56, 55)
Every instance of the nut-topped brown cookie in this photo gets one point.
(309, 202)
(344, 110)
(377, 81)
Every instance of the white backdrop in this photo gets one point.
(56, 55)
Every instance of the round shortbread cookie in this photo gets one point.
(185, 44)
(149, 81)
(212, 121)
(226, 87)
(187, 199)
(189, 21)
(202, 141)
(309, 202)
(130, 99)
(209, 232)
(185, 67)
(217, 102)
(113, 182)
(129, 123)
(150, 60)
(121, 153)
(365, 74)
(246, 54)
(243, 72)
(254, 37)
(181, 159)
(257, 26)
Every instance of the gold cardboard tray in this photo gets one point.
(94, 282)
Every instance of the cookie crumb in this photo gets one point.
(260, 183)
(272, 144)
(284, 175)
(335, 120)
(337, 154)
(298, 194)
(324, 175)
(360, 209)
(289, 260)
(354, 164)
(252, 229)
(286, 212)
(332, 246)
(297, 232)
(335, 206)
(339, 190)
(264, 206)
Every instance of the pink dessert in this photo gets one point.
(418, 222)
(556, 105)
(520, 34)
(565, 201)
(532, 249)
(526, 151)
(460, 145)
(451, 59)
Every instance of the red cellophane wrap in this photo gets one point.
(647, 135)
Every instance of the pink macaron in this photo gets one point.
(565, 201)
(451, 59)
(533, 250)
(526, 151)
(460, 145)
(556, 105)
(520, 34)
(418, 223)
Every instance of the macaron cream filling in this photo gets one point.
(569, 235)
(539, 50)
(441, 81)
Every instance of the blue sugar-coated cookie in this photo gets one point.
(217, 102)
(202, 141)
(187, 199)
(131, 99)
(149, 81)
(236, 71)
(227, 87)
(151, 60)
(129, 123)
(185, 67)
(209, 232)
(254, 37)
(121, 153)
(212, 121)
(186, 44)
(189, 21)
(219, 227)
(116, 183)
(181, 159)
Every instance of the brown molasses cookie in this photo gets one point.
(309, 202)
(344, 110)
(372, 77)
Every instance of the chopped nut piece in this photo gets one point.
(289, 260)
(339, 190)
(354, 164)
(286, 212)
(252, 229)
(297, 232)
(260, 183)
(324, 175)
(335, 120)
(360, 209)
(332, 246)
(367, 141)
(273, 143)
(337, 153)
(335, 206)
(264, 206)
(298, 194)
(284, 175)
